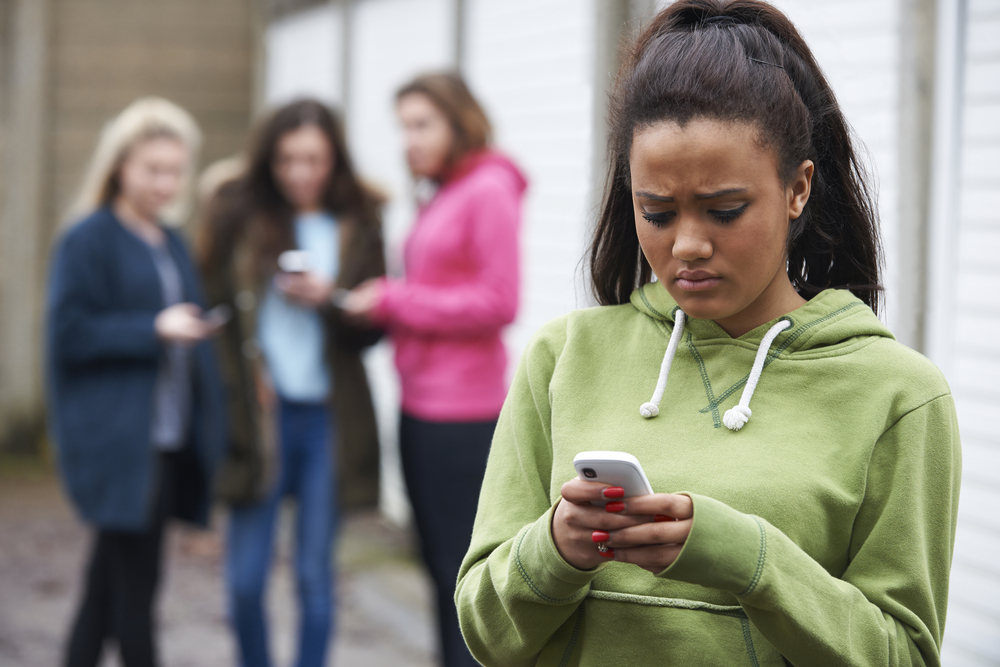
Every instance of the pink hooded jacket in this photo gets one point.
(460, 291)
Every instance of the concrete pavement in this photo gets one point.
(384, 606)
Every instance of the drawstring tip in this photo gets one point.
(649, 410)
(736, 417)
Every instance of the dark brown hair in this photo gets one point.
(741, 61)
(256, 199)
(448, 92)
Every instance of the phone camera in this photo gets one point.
(589, 473)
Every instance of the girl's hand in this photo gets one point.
(182, 323)
(653, 545)
(360, 304)
(576, 522)
(307, 289)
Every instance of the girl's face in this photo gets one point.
(303, 163)
(429, 137)
(152, 175)
(712, 216)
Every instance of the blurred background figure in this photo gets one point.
(134, 396)
(278, 242)
(446, 318)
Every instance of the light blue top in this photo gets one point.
(291, 336)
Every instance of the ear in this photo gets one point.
(799, 188)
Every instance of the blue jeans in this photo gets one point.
(306, 472)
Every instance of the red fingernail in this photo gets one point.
(614, 492)
(616, 506)
(662, 517)
(600, 536)
(607, 553)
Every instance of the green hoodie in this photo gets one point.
(823, 529)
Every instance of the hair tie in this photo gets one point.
(764, 62)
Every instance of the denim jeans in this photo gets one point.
(307, 473)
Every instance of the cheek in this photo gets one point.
(441, 141)
(138, 183)
(653, 241)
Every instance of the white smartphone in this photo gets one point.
(294, 261)
(218, 316)
(339, 296)
(614, 468)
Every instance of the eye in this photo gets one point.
(728, 215)
(659, 219)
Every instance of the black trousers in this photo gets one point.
(121, 583)
(444, 465)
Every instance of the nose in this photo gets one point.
(691, 241)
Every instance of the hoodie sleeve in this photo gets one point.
(889, 606)
(84, 329)
(481, 305)
(514, 589)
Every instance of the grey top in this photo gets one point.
(172, 391)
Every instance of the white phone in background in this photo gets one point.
(614, 468)
(339, 296)
(294, 261)
(218, 316)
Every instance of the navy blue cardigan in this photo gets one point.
(102, 357)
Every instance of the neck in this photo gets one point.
(144, 225)
(782, 300)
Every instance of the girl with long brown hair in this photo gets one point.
(278, 242)
(737, 262)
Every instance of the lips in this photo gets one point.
(696, 281)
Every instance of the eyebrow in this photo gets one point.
(708, 195)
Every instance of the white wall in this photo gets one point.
(967, 342)
(303, 56)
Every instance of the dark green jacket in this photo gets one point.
(232, 277)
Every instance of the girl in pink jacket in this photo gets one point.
(445, 319)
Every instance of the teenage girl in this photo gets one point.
(303, 425)
(805, 465)
(135, 399)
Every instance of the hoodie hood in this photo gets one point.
(831, 317)
(490, 160)
(828, 319)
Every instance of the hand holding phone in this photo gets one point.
(614, 468)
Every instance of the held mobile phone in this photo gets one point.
(218, 316)
(338, 297)
(614, 468)
(294, 261)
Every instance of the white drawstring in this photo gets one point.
(652, 408)
(737, 416)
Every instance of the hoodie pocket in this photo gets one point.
(607, 632)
